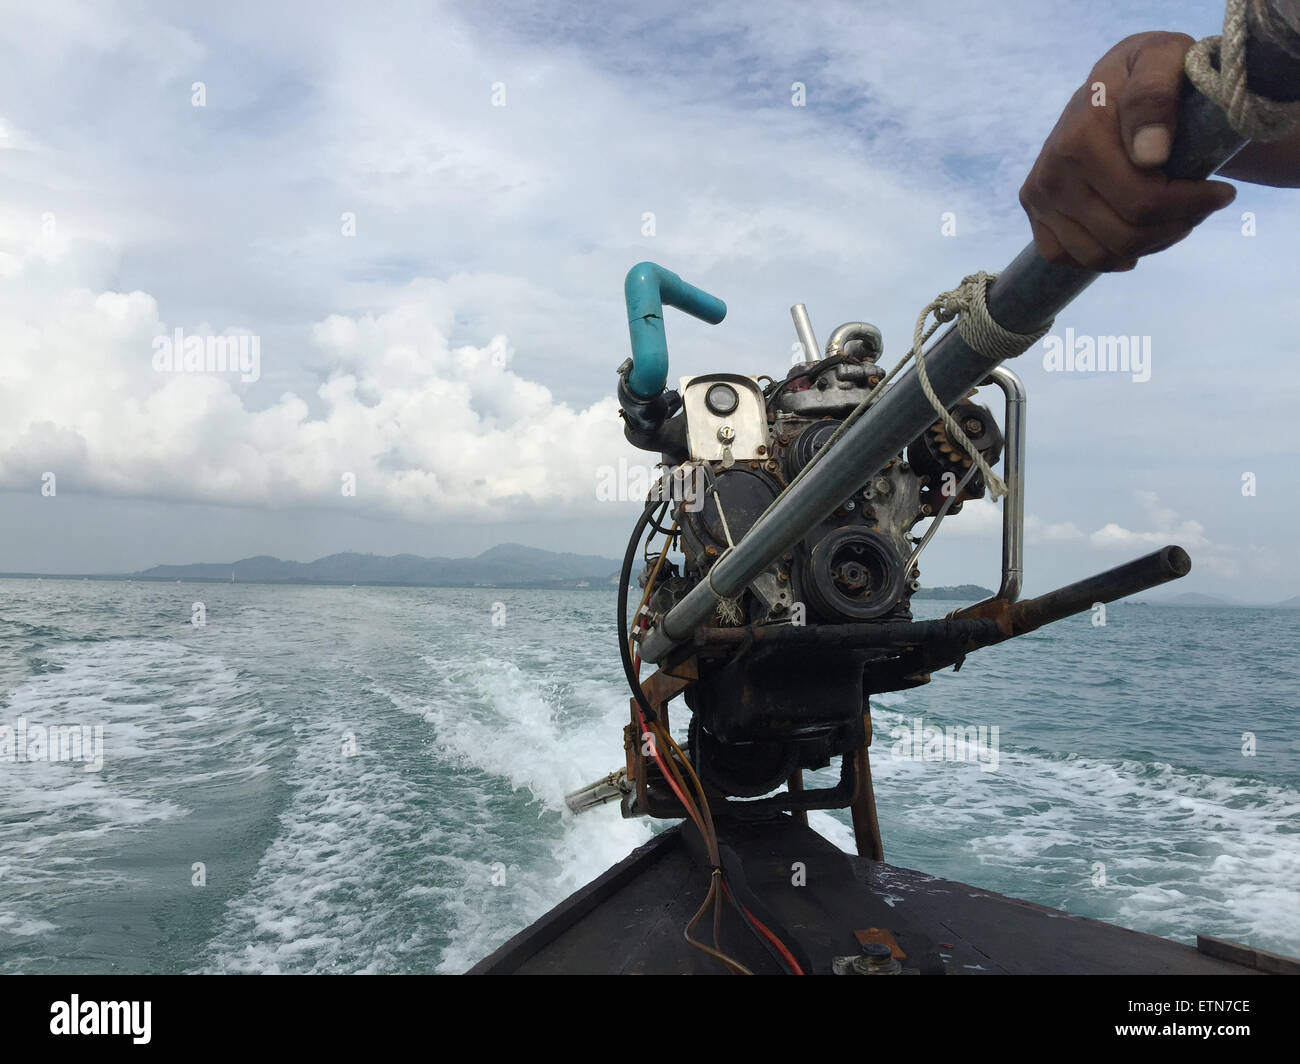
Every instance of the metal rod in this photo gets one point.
(1013, 506)
(964, 632)
(794, 785)
(938, 520)
(804, 330)
(942, 642)
(1027, 295)
(612, 787)
(866, 826)
(1142, 574)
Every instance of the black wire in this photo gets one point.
(624, 579)
(707, 469)
(812, 373)
(657, 527)
(654, 522)
(775, 954)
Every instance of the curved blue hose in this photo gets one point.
(648, 289)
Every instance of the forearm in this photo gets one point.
(1276, 164)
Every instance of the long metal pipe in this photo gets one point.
(1027, 295)
(1141, 574)
(612, 787)
(804, 330)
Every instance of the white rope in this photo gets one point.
(968, 304)
(729, 611)
(1250, 115)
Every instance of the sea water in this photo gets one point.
(320, 779)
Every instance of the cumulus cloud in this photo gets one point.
(978, 517)
(487, 232)
(982, 518)
(1226, 561)
(1168, 529)
(1039, 531)
(426, 429)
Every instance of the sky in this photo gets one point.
(422, 215)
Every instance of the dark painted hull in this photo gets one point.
(815, 897)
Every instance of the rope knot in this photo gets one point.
(947, 307)
(1251, 116)
(968, 303)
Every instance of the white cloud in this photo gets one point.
(1224, 561)
(1039, 531)
(978, 517)
(476, 222)
(983, 518)
(1162, 516)
(1111, 536)
(428, 430)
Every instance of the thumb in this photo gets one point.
(1148, 104)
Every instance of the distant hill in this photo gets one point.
(1196, 598)
(507, 565)
(1193, 598)
(961, 592)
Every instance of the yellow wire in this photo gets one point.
(650, 585)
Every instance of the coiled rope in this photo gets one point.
(968, 304)
(1252, 116)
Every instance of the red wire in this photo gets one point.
(767, 934)
(762, 928)
(654, 751)
(654, 747)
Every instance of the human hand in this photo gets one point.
(1096, 197)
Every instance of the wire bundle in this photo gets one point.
(676, 766)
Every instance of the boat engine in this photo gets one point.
(760, 715)
(730, 445)
(777, 669)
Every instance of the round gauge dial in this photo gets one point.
(722, 399)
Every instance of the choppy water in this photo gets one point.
(352, 767)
